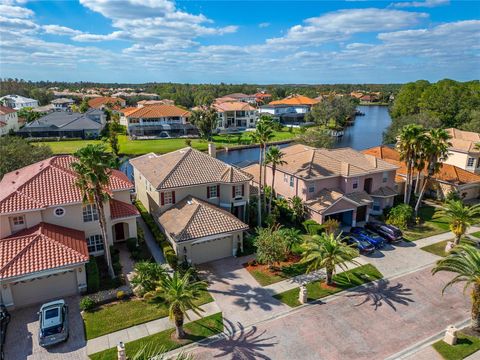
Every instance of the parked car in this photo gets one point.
(388, 232)
(370, 236)
(363, 246)
(53, 320)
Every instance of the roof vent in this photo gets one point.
(189, 202)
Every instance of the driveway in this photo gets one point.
(372, 322)
(237, 293)
(22, 336)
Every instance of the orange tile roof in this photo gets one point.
(128, 110)
(42, 247)
(464, 141)
(47, 183)
(4, 110)
(98, 102)
(157, 111)
(295, 100)
(120, 209)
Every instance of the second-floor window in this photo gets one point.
(470, 162)
(95, 243)
(167, 198)
(90, 213)
(18, 222)
(311, 189)
(355, 184)
(385, 177)
(212, 191)
(238, 191)
(291, 181)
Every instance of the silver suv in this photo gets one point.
(53, 319)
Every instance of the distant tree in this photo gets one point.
(472, 121)
(206, 121)
(84, 105)
(28, 114)
(407, 101)
(318, 137)
(428, 121)
(16, 152)
(336, 109)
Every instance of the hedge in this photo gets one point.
(167, 249)
(93, 275)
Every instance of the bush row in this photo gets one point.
(167, 249)
(93, 275)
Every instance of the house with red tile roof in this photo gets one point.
(235, 115)
(8, 120)
(464, 152)
(292, 109)
(47, 233)
(103, 102)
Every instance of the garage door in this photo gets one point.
(211, 250)
(45, 288)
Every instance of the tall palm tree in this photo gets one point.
(274, 157)
(465, 262)
(328, 251)
(460, 216)
(180, 292)
(408, 145)
(92, 168)
(436, 146)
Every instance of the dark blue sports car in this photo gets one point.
(363, 246)
(370, 236)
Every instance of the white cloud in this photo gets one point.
(416, 4)
(264, 25)
(15, 11)
(60, 30)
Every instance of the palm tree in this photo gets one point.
(291, 236)
(465, 262)
(408, 144)
(435, 152)
(180, 293)
(93, 173)
(147, 274)
(460, 216)
(297, 207)
(274, 157)
(328, 251)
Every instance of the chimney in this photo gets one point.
(345, 168)
(212, 150)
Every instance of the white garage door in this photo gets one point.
(44, 288)
(211, 250)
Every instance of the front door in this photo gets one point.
(238, 211)
(119, 232)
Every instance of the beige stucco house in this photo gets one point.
(187, 190)
(463, 152)
(47, 233)
(342, 184)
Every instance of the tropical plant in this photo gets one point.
(328, 251)
(464, 261)
(92, 168)
(151, 351)
(179, 292)
(270, 246)
(460, 217)
(274, 157)
(147, 275)
(400, 215)
(291, 238)
(331, 226)
(312, 227)
(298, 208)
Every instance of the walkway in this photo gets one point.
(139, 331)
(126, 262)
(152, 245)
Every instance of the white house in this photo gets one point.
(18, 102)
(8, 120)
(62, 104)
(235, 115)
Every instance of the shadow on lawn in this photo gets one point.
(241, 344)
(382, 292)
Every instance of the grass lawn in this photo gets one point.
(196, 331)
(123, 314)
(439, 248)
(162, 146)
(466, 345)
(346, 280)
(430, 226)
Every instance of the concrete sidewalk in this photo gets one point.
(139, 331)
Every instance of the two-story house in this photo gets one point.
(62, 104)
(47, 233)
(235, 115)
(8, 120)
(103, 102)
(464, 152)
(198, 201)
(342, 184)
(18, 102)
(292, 109)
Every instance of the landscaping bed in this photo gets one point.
(284, 270)
(126, 313)
(466, 345)
(439, 248)
(346, 280)
(196, 331)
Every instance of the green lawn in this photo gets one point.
(162, 146)
(113, 317)
(196, 331)
(343, 281)
(466, 345)
(430, 226)
(439, 248)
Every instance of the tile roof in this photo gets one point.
(326, 198)
(312, 163)
(128, 110)
(295, 100)
(42, 247)
(4, 110)
(463, 141)
(448, 173)
(186, 167)
(384, 191)
(120, 209)
(47, 183)
(253, 170)
(360, 197)
(157, 111)
(192, 218)
(63, 121)
(98, 102)
(233, 106)
(153, 102)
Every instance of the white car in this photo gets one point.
(53, 321)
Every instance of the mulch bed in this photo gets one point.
(276, 269)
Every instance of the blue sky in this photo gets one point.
(261, 42)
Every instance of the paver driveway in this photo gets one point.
(373, 322)
(22, 336)
(238, 294)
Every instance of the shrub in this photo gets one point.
(400, 216)
(331, 226)
(188, 142)
(132, 244)
(87, 303)
(311, 227)
(93, 275)
(270, 246)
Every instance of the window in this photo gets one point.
(311, 188)
(385, 177)
(376, 205)
(95, 243)
(291, 181)
(212, 191)
(355, 184)
(470, 162)
(18, 220)
(238, 190)
(167, 198)
(90, 213)
(59, 212)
